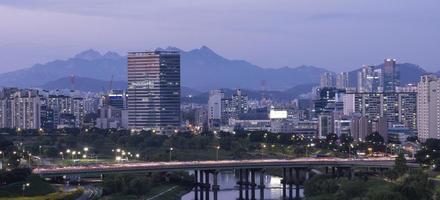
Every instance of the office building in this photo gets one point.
(428, 107)
(153, 101)
(391, 76)
(326, 125)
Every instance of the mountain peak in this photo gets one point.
(206, 52)
(169, 48)
(89, 54)
(111, 55)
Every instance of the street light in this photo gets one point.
(217, 148)
(171, 150)
(86, 149)
(62, 155)
(24, 187)
(262, 148)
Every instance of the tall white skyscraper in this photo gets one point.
(428, 107)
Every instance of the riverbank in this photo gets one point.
(159, 192)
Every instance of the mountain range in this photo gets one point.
(201, 70)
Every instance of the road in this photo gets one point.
(209, 165)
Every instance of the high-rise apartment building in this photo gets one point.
(25, 109)
(391, 76)
(66, 111)
(369, 79)
(215, 108)
(327, 80)
(360, 128)
(395, 107)
(428, 107)
(342, 80)
(154, 91)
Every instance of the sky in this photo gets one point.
(338, 35)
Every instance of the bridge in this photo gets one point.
(246, 171)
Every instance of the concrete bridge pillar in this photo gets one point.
(290, 183)
(201, 185)
(333, 172)
(261, 186)
(240, 185)
(246, 184)
(284, 181)
(215, 186)
(307, 174)
(297, 187)
(196, 185)
(253, 185)
(207, 185)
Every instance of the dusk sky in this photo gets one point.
(335, 34)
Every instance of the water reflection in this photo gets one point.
(229, 188)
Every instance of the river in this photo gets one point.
(229, 187)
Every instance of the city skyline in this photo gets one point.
(293, 30)
(168, 99)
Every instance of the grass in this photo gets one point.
(174, 194)
(37, 187)
(52, 196)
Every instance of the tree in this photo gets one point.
(138, 186)
(346, 139)
(320, 185)
(331, 138)
(400, 165)
(374, 138)
(417, 186)
(384, 194)
(376, 141)
(352, 190)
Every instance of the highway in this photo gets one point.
(97, 169)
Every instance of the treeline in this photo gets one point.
(152, 147)
(415, 185)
